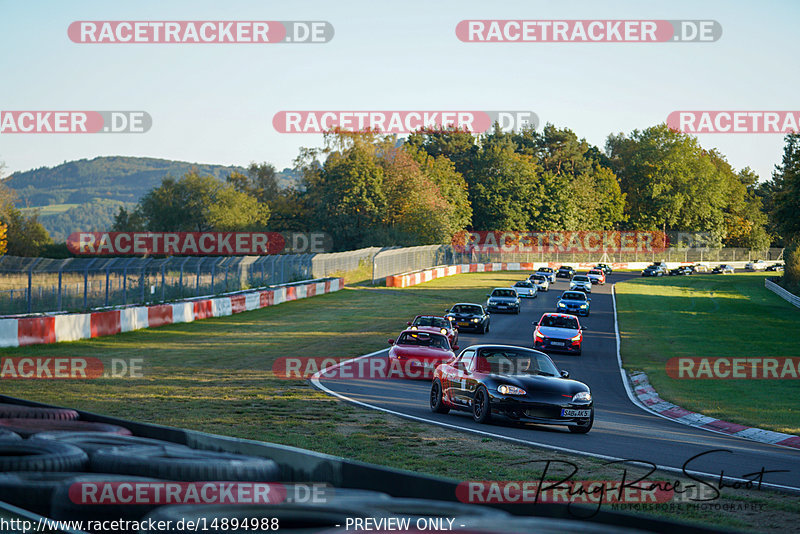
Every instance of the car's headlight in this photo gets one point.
(443, 330)
(576, 338)
(476, 320)
(412, 328)
(562, 305)
(505, 389)
(582, 396)
(583, 306)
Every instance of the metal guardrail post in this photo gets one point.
(180, 280)
(86, 283)
(163, 282)
(108, 273)
(213, 272)
(60, 270)
(141, 278)
(197, 282)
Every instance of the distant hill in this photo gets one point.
(85, 194)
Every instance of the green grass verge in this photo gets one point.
(712, 315)
(215, 376)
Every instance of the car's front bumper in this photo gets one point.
(583, 312)
(538, 412)
(512, 308)
(548, 346)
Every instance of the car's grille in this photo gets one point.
(544, 412)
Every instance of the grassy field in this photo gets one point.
(215, 376)
(713, 315)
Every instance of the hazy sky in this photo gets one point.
(214, 103)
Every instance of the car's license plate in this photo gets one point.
(557, 343)
(463, 323)
(566, 412)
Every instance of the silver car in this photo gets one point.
(542, 282)
(503, 299)
(580, 282)
(526, 289)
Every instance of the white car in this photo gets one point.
(542, 282)
(580, 282)
(758, 265)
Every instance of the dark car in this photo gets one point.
(778, 267)
(548, 272)
(575, 302)
(683, 270)
(519, 383)
(653, 270)
(435, 324)
(604, 267)
(558, 332)
(468, 316)
(565, 271)
(503, 299)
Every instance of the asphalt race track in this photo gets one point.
(621, 429)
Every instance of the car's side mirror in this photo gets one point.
(391, 342)
(583, 328)
(408, 323)
(488, 295)
(455, 347)
(564, 374)
(535, 323)
(588, 299)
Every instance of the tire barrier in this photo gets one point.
(29, 455)
(29, 427)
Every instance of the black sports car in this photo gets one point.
(519, 383)
(681, 271)
(606, 268)
(775, 267)
(466, 316)
(565, 271)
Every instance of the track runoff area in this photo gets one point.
(621, 431)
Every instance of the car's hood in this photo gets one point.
(431, 329)
(465, 316)
(523, 289)
(572, 302)
(428, 353)
(561, 333)
(594, 275)
(544, 388)
(503, 299)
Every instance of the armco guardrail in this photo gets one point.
(782, 293)
(16, 332)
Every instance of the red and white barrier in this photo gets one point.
(16, 332)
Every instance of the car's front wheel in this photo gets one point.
(437, 405)
(584, 428)
(481, 407)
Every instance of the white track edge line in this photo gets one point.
(317, 384)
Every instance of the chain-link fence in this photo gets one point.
(33, 285)
(29, 285)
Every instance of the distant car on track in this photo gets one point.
(778, 267)
(468, 316)
(683, 270)
(558, 332)
(503, 299)
(576, 302)
(419, 353)
(542, 282)
(565, 271)
(526, 289)
(519, 383)
(597, 276)
(548, 272)
(723, 268)
(581, 282)
(699, 268)
(435, 324)
(654, 270)
(605, 268)
(758, 265)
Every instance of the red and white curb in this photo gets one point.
(642, 394)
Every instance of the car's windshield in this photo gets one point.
(580, 278)
(539, 278)
(573, 295)
(437, 322)
(545, 270)
(507, 361)
(467, 308)
(564, 268)
(523, 284)
(504, 293)
(595, 271)
(423, 339)
(559, 321)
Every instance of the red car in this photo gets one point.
(417, 353)
(437, 325)
(597, 276)
(558, 332)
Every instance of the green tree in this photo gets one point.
(194, 204)
(24, 235)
